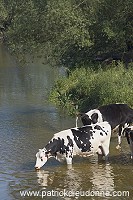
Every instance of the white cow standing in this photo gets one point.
(86, 140)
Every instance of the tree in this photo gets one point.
(69, 32)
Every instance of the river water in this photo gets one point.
(27, 122)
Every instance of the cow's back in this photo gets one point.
(116, 114)
(88, 138)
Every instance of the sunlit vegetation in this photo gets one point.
(88, 88)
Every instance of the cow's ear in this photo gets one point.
(94, 118)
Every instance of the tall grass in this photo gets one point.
(89, 89)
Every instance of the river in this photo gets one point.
(27, 122)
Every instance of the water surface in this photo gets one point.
(27, 123)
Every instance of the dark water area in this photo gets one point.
(27, 122)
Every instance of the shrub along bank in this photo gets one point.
(88, 88)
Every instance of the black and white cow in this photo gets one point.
(117, 115)
(86, 140)
(129, 135)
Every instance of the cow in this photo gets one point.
(117, 115)
(85, 140)
(128, 132)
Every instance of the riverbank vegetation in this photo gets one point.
(89, 37)
(88, 88)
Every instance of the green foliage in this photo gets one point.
(21, 34)
(3, 14)
(68, 32)
(88, 88)
(114, 27)
(74, 33)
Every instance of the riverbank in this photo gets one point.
(90, 88)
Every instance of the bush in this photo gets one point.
(89, 89)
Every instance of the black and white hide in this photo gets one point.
(87, 140)
(117, 115)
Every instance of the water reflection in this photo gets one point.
(102, 178)
(27, 85)
(44, 178)
(91, 177)
(27, 119)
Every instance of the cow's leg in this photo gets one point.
(131, 149)
(103, 151)
(69, 160)
(119, 137)
(69, 156)
(121, 129)
(100, 153)
(107, 158)
(105, 147)
(130, 142)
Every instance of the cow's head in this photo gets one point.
(86, 119)
(41, 158)
(91, 117)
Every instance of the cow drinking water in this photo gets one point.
(86, 140)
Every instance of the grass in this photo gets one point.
(90, 88)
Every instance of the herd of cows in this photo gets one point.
(93, 137)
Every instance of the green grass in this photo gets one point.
(88, 88)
